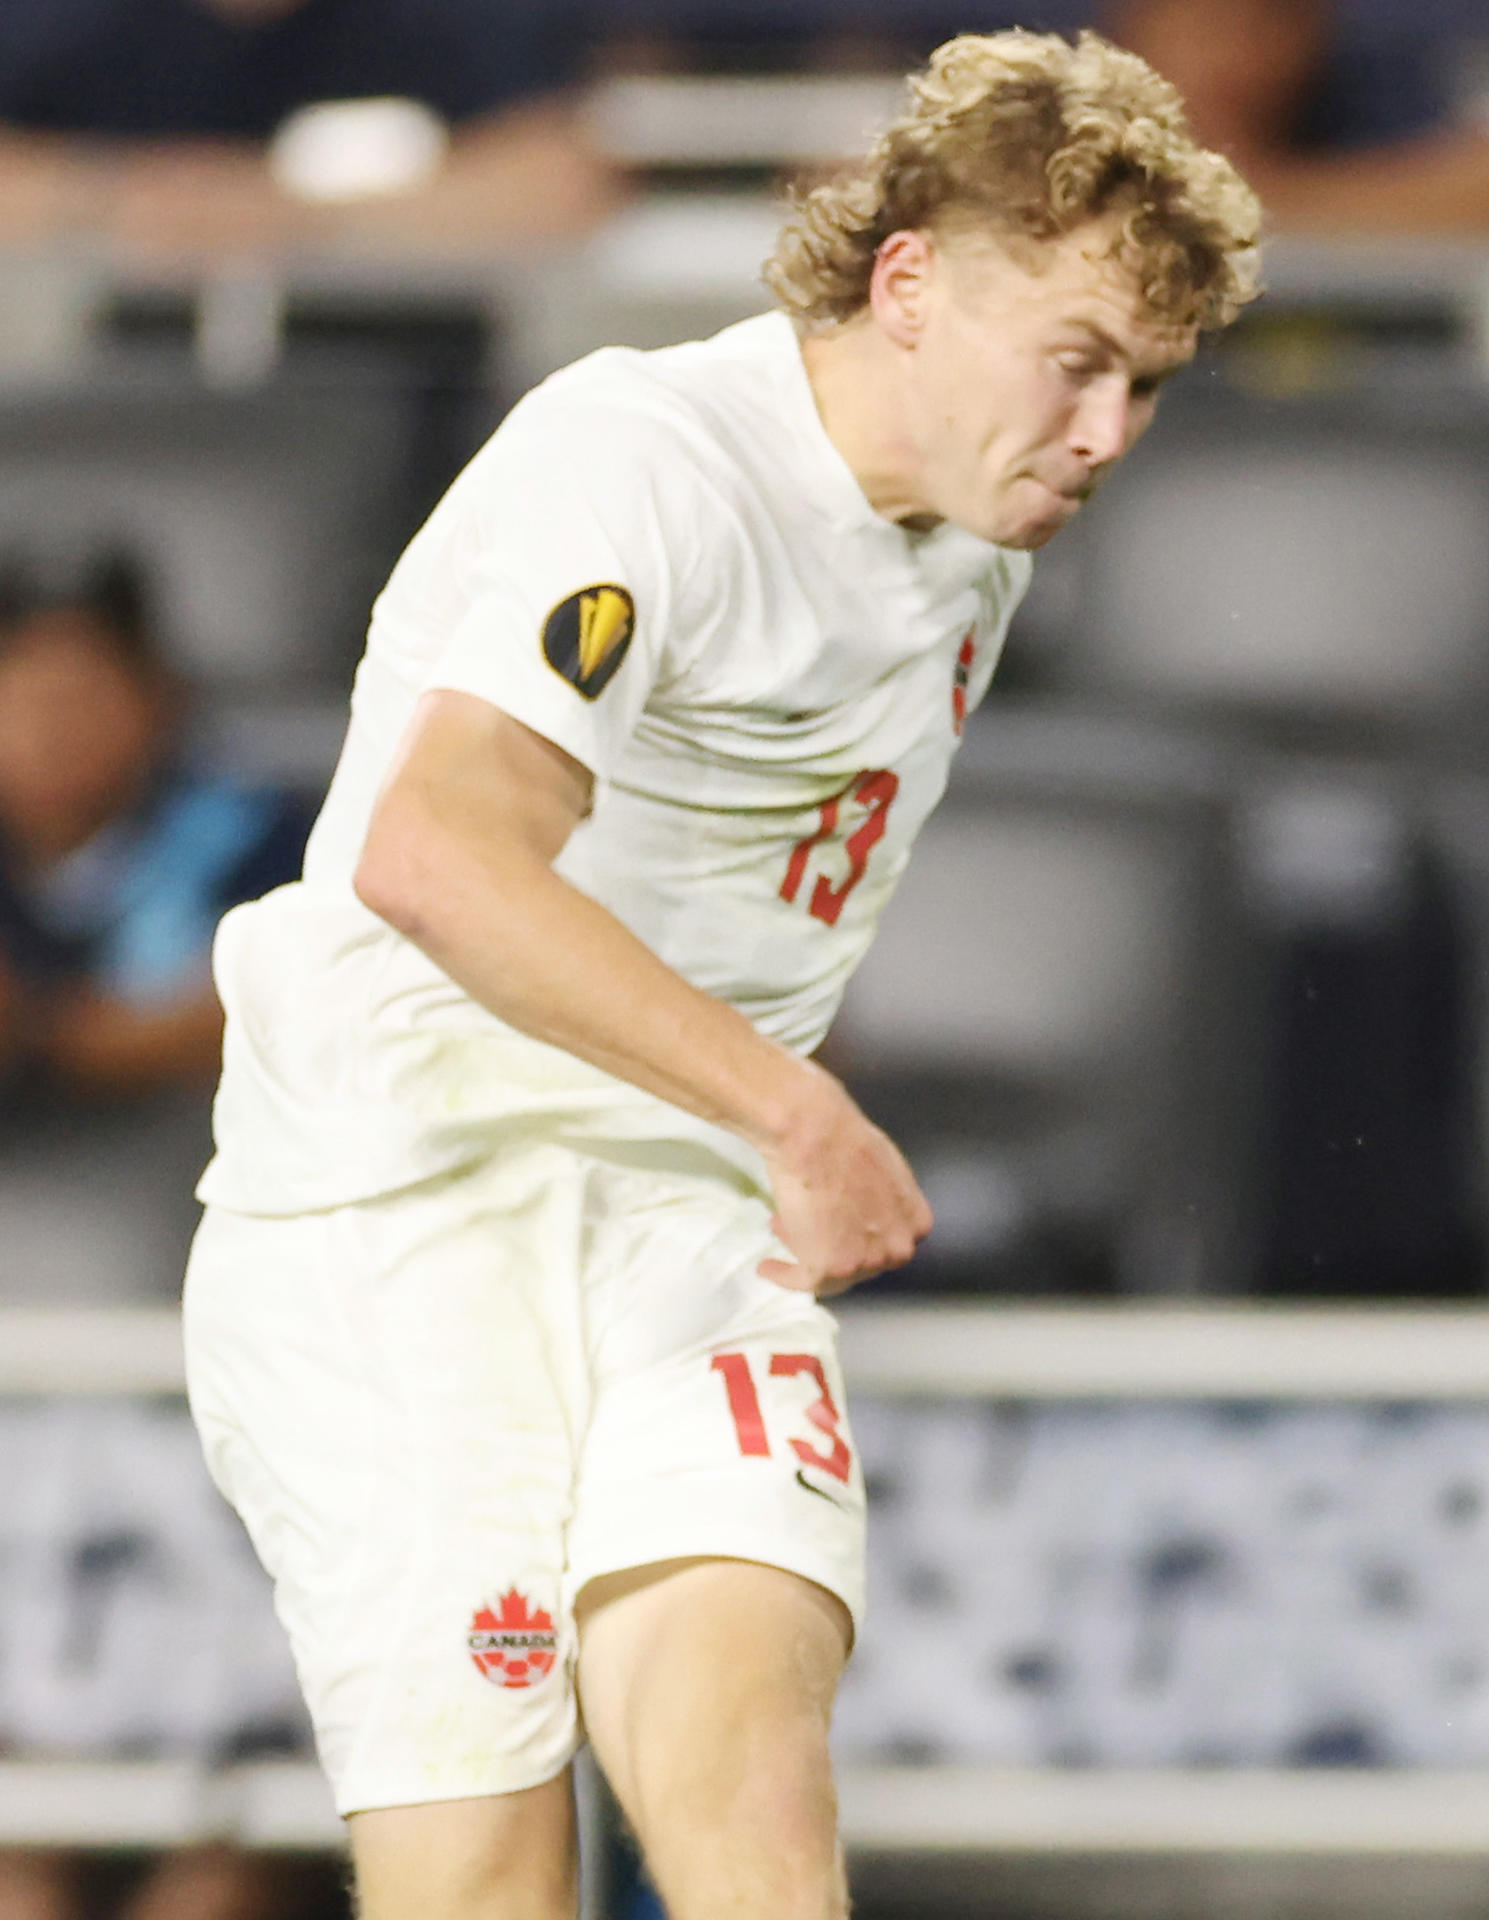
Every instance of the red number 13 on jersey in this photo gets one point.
(875, 791)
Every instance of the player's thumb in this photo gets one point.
(787, 1273)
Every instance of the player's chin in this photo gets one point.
(1030, 535)
(1044, 513)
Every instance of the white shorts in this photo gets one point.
(442, 1412)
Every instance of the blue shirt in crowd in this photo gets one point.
(133, 912)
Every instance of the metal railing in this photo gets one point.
(1002, 1353)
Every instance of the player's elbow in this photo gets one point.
(376, 887)
(387, 879)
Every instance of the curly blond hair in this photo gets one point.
(1026, 134)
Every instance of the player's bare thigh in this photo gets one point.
(707, 1688)
(511, 1856)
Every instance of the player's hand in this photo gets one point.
(847, 1204)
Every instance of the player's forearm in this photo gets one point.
(558, 966)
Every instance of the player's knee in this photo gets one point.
(777, 1761)
(755, 1823)
(790, 1802)
(773, 1780)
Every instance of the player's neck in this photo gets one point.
(854, 379)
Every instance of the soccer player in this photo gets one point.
(504, 1319)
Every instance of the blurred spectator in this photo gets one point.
(116, 861)
(759, 35)
(1347, 114)
(1341, 115)
(198, 1883)
(177, 100)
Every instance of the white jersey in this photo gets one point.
(661, 563)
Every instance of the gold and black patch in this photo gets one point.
(586, 636)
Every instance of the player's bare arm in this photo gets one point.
(458, 858)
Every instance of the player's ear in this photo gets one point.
(899, 292)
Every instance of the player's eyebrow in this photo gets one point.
(1092, 336)
(1098, 334)
(1110, 344)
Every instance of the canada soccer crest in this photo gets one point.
(960, 680)
(513, 1644)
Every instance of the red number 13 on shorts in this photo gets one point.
(749, 1421)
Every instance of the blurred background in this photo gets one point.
(1177, 1430)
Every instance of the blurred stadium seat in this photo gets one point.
(1049, 1024)
(1319, 560)
(268, 516)
(1299, 587)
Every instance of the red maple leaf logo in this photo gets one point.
(513, 1644)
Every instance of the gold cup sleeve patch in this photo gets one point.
(586, 636)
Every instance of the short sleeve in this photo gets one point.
(575, 547)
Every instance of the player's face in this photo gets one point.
(1028, 381)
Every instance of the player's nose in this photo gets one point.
(1101, 428)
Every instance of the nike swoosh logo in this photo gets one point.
(821, 1492)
